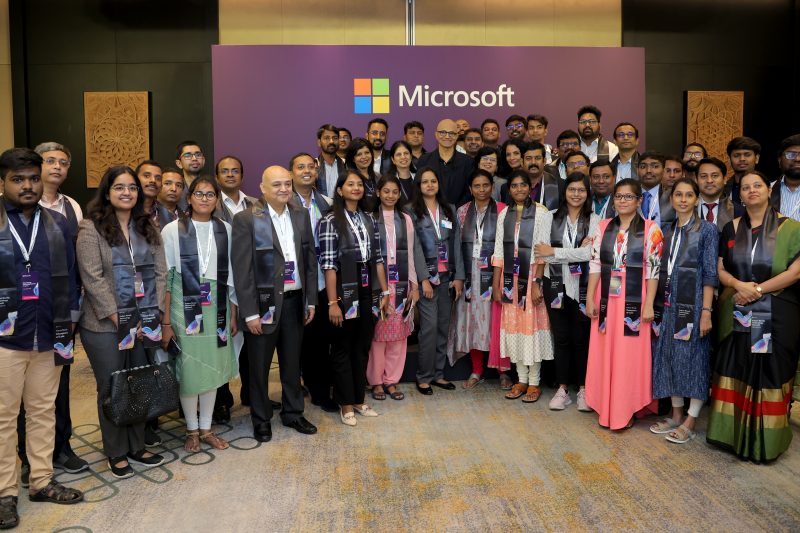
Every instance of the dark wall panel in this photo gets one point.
(61, 49)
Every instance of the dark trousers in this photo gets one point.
(315, 359)
(105, 358)
(434, 325)
(570, 329)
(286, 339)
(350, 353)
(224, 395)
(63, 420)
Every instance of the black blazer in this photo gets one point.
(244, 265)
(223, 213)
(322, 184)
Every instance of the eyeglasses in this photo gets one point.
(516, 126)
(576, 164)
(565, 144)
(791, 156)
(195, 155)
(489, 159)
(573, 190)
(626, 134)
(378, 133)
(587, 122)
(626, 197)
(693, 155)
(200, 195)
(121, 187)
(52, 161)
(443, 133)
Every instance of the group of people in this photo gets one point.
(642, 276)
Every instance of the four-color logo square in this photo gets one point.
(370, 95)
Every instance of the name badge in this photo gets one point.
(446, 224)
(442, 252)
(575, 269)
(516, 266)
(30, 285)
(364, 276)
(394, 274)
(205, 293)
(615, 285)
(485, 259)
(138, 285)
(288, 272)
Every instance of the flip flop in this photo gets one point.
(681, 435)
(378, 395)
(664, 426)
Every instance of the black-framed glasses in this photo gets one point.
(791, 155)
(626, 134)
(209, 195)
(192, 155)
(516, 126)
(587, 122)
(443, 133)
(626, 197)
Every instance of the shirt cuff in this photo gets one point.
(251, 317)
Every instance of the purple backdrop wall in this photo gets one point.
(270, 100)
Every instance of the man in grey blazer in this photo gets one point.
(275, 269)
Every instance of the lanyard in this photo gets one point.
(674, 246)
(480, 218)
(391, 238)
(753, 251)
(313, 210)
(283, 232)
(26, 250)
(204, 261)
(569, 232)
(619, 249)
(362, 242)
(435, 218)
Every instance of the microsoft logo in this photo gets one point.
(370, 95)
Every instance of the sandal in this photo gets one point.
(218, 443)
(192, 444)
(473, 381)
(377, 393)
(394, 394)
(681, 435)
(532, 394)
(505, 382)
(516, 391)
(8, 512)
(664, 426)
(55, 492)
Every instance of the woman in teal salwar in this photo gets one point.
(202, 308)
(759, 266)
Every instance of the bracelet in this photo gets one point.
(336, 301)
(165, 325)
(706, 309)
(386, 293)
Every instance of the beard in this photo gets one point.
(691, 165)
(793, 174)
(377, 144)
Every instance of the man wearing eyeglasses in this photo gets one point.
(452, 167)
(568, 141)
(785, 194)
(490, 132)
(57, 160)
(190, 159)
(692, 155)
(626, 161)
(592, 142)
(377, 130)
(656, 203)
(516, 127)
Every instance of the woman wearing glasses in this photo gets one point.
(626, 258)
(202, 309)
(121, 261)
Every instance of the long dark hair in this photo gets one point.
(102, 213)
(502, 163)
(519, 173)
(392, 167)
(418, 202)
(339, 207)
(350, 159)
(637, 190)
(387, 178)
(586, 209)
(195, 184)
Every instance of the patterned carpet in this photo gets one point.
(456, 461)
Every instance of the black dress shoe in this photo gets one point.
(427, 391)
(301, 425)
(263, 432)
(445, 386)
(327, 405)
(222, 414)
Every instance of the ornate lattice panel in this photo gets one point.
(713, 118)
(117, 131)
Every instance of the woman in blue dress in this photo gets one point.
(683, 313)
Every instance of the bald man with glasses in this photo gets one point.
(452, 167)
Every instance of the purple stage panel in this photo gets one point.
(270, 100)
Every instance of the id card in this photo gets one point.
(205, 293)
(288, 272)
(446, 224)
(138, 285)
(516, 266)
(575, 269)
(30, 285)
(615, 285)
(394, 274)
(484, 259)
(364, 276)
(443, 252)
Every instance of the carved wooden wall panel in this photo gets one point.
(713, 118)
(117, 131)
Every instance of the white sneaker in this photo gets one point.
(582, 406)
(560, 400)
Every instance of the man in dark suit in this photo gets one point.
(626, 161)
(377, 129)
(275, 269)
(452, 167)
(656, 203)
(714, 206)
(601, 179)
(330, 166)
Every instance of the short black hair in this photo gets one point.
(635, 129)
(567, 134)
(703, 148)
(413, 124)
(713, 161)
(534, 145)
(174, 170)
(579, 154)
(652, 154)
(184, 144)
(221, 159)
(378, 120)
(489, 121)
(18, 158)
(516, 118)
(297, 156)
(538, 118)
(147, 162)
(326, 127)
(590, 109)
(601, 162)
(472, 130)
(743, 143)
(341, 129)
(788, 142)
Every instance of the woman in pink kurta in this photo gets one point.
(618, 375)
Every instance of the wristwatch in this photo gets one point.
(758, 289)
(538, 280)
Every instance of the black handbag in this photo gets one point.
(136, 395)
